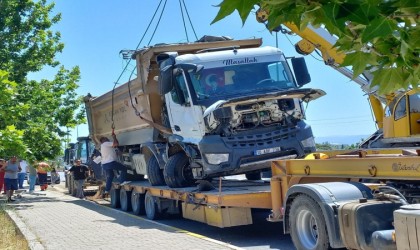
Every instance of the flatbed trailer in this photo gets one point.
(336, 199)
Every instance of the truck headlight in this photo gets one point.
(217, 158)
(308, 142)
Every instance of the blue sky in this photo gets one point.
(95, 31)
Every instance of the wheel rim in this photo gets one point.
(187, 172)
(307, 229)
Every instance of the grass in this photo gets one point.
(10, 237)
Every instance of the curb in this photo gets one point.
(33, 242)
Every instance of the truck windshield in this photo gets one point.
(234, 80)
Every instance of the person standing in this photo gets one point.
(109, 161)
(32, 178)
(11, 177)
(80, 173)
(2, 184)
(22, 173)
(42, 170)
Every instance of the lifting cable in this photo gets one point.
(162, 129)
(157, 126)
(125, 68)
(189, 19)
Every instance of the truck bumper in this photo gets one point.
(252, 151)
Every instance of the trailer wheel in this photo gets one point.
(154, 173)
(137, 203)
(307, 225)
(125, 200)
(255, 176)
(151, 207)
(115, 197)
(178, 172)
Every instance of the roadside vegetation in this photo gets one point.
(35, 115)
(380, 36)
(10, 237)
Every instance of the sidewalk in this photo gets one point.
(54, 220)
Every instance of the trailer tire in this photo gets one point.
(125, 200)
(115, 197)
(307, 224)
(154, 173)
(177, 172)
(137, 203)
(151, 207)
(253, 176)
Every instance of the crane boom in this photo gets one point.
(397, 115)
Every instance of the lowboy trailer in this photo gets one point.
(358, 200)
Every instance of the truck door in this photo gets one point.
(414, 110)
(184, 117)
(401, 118)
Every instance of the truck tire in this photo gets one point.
(125, 200)
(73, 186)
(253, 176)
(151, 207)
(115, 198)
(137, 203)
(307, 224)
(154, 173)
(177, 172)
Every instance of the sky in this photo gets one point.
(95, 31)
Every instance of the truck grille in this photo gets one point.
(260, 140)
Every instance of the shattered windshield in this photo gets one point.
(240, 79)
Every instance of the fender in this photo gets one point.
(328, 196)
(159, 150)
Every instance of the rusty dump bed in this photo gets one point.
(226, 193)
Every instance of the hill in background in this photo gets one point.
(338, 139)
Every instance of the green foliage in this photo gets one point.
(380, 36)
(33, 112)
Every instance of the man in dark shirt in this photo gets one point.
(80, 173)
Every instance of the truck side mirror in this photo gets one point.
(301, 71)
(165, 80)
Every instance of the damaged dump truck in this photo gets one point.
(206, 109)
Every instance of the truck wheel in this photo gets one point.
(177, 172)
(307, 225)
(125, 199)
(253, 176)
(115, 197)
(137, 203)
(151, 207)
(154, 173)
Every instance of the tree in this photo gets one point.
(380, 36)
(33, 113)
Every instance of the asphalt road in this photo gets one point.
(260, 235)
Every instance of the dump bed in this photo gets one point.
(118, 107)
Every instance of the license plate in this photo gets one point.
(267, 151)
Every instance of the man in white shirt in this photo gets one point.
(109, 161)
(22, 173)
